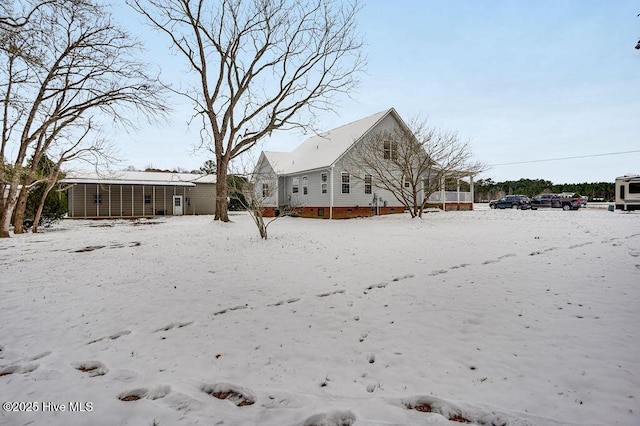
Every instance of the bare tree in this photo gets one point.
(261, 65)
(256, 193)
(67, 64)
(412, 161)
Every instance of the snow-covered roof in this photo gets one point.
(138, 178)
(323, 150)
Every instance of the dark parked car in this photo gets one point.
(555, 201)
(511, 202)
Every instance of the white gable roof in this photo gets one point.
(323, 150)
(138, 178)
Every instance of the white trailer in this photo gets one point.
(628, 192)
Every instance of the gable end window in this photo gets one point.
(265, 190)
(296, 185)
(346, 187)
(390, 149)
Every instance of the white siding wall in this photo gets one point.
(357, 197)
(314, 196)
(264, 175)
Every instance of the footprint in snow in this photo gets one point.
(17, 369)
(173, 325)
(332, 418)
(282, 302)
(238, 395)
(331, 293)
(149, 393)
(452, 412)
(235, 308)
(92, 368)
(111, 337)
(88, 248)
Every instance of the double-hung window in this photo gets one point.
(346, 186)
(305, 185)
(390, 149)
(323, 185)
(367, 184)
(296, 185)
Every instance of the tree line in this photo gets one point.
(487, 189)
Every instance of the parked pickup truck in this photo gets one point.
(555, 201)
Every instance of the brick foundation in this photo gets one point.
(351, 212)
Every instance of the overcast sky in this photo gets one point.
(522, 80)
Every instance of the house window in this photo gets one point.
(407, 184)
(390, 150)
(97, 198)
(321, 212)
(345, 183)
(634, 188)
(305, 187)
(323, 185)
(147, 198)
(265, 190)
(367, 184)
(295, 186)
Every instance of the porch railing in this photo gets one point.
(450, 197)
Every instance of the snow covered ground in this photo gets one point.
(501, 317)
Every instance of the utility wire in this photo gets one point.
(565, 158)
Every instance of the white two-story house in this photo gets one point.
(314, 179)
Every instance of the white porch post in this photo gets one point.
(331, 193)
(443, 194)
(109, 200)
(121, 209)
(132, 200)
(471, 190)
(153, 203)
(164, 188)
(458, 193)
(98, 200)
(143, 200)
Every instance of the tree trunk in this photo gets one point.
(7, 211)
(43, 199)
(19, 210)
(221, 190)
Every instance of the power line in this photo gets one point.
(565, 158)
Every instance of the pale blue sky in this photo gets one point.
(522, 80)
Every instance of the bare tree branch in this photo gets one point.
(411, 162)
(67, 63)
(261, 65)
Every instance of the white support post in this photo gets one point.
(153, 200)
(331, 193)
(164, 188)
(443, 194)
(85, 200)
(458, 193)
(471, 190)
(121, 209)
(143, 201)
(98, 200)
(132, 200)
(109, 200)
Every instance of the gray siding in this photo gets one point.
(264, 174)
